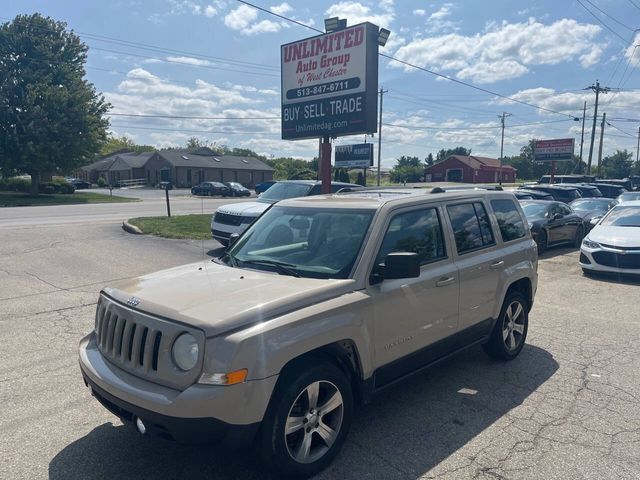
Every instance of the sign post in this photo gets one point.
(329, 88)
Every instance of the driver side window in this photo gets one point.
(419, 231)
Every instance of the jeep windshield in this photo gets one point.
(281, 190)
(305, 242)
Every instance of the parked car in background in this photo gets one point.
(166, 185)
(546, 179)
(560, 193)
(237, 217)
(534, 194)
(628, 196)
(263, 187)
(592, 209)
(78, 183)
(614, 243)
(238, 190)
(610, 190)
(625, 183)
(209, 189)
(521, 195)
(588, 191)
(553, 223)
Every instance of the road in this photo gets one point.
(566, 408)
(152, 203)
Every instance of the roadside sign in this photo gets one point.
(329, 84)
(354, 156)
(558, 150)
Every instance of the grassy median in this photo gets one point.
(196, 227)
(13, 199)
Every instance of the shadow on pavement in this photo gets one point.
(407, 430)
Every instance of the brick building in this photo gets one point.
(469, 169)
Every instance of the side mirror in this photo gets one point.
(401, 265)
(233, 238)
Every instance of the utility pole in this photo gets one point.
(638, 149)
(382, 92)
(596, 88)
(584, 115)
(604, 119)
(502, 117)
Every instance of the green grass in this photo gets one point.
(13, 199)
(196, 227)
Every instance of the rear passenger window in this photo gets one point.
(419, 232)
(509, 219)
(471, 226)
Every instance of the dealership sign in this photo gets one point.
(354, 156)
(558, 150)
(329, 84)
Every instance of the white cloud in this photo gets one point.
(281, 9)
(189, 60)
(240, 18)
(442, 12)
(210, 11)
(632, 53)
(356, 12)
(420, 12)
(243, 19)
(506, 50)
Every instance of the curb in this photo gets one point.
(127, 227)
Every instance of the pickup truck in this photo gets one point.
(322, 302)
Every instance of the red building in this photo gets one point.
(469, 169)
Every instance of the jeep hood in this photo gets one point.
(217, 298)
(245, 209)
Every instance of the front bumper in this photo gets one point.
(609, 260)
(200, 413)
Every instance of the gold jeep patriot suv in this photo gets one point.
(319, 304)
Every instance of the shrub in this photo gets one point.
(102, 182)
(56, 186)
(15, 184)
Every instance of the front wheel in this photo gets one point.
(307, 421)
(510, 331)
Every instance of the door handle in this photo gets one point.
(444, 281)
(497, 265)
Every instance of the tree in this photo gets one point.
(114, 144)
(360, 180)
(444, 154)
(407, 169)
(51, 119)
(617, 165)
(429, 160)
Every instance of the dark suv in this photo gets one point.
(610, 190)
(210, 189)
(560, 193)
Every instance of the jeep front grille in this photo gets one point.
(141, 344)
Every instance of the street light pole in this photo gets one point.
(382, 92)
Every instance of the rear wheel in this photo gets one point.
(307, 421)
(510, 331)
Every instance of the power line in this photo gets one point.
(609, 16)
(626, 42)
(634, 4)
(220, 132)
(188, 117)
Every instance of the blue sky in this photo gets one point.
(220, 58)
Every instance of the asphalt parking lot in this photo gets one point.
(567, 408)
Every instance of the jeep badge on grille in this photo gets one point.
(133, 301)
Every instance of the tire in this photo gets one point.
(510, 331)
(587, 273)
(285, 454)
(542, 242)
(577, 240)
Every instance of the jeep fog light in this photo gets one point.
(231, 378)
(185, 352)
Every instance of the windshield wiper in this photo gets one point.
(280, 266)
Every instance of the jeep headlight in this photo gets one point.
(589, 243)
(185, 352)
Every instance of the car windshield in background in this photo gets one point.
(589, 206)
(305, 242)
(622, 216)
(628, 196)
(282, 190)
(534, 210)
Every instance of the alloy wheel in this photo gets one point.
(513, 325)
(314, 422)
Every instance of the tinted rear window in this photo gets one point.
(471, 226)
